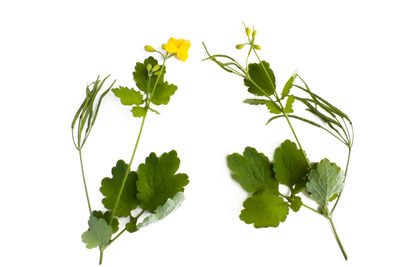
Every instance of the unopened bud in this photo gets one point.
(158, 73)
(239, 46)
(254, 33)
(155, 68)
(163, 46)
(248, 31)
(149, 48)
(257, 47)
(148, 67)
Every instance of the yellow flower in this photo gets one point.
(180, 47)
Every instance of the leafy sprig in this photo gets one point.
(324, 181)
(155, 189)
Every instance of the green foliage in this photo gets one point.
(128, 96)
(324, 182)
(252, 170)
(144, 79)
(110, 188)
(163, 211)
(99, 233)
(273, 107)
(262, 79)
(162, 93)
(255, 101)
(288, 85)
(290, 166)
(139, 111)
(158, 180)
(264, 209)
(295, 203)
(107, 217)
(289, 105)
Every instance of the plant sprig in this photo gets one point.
(155, 189)
(324, 181)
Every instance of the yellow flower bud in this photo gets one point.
(239, 46)
(148, 67)
(248, 31)
(158, 73)
(149, 48)
(163, 46)
(155, 68)
(254, 34)
(257, 47)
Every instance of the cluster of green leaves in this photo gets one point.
(154, 189)
(149, 78)
(267, 206)
(323, 181)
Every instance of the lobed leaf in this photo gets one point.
(252, 171)
(99, 233)
(128, 96)
(262, 79)
(324, 182)
(158, 181)
(290, 166)
(110, 188)
(264, 209)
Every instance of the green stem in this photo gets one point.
(101, 254)
(84, 181)
(308, 207)
(137, 143)
(345, 175)
(337, 238)
(128, 169)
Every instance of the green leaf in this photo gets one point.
(128, 96)
(131, 226)
(295, 203)
(288, 85)
(106, 216)
(157, 180)
(162, 93)
(138, 111)
(260, 79)
(273, 107)
(324, 182)
(289, 104)
(99, 233)
(264, 209)
(290, 166)
(252, 171)
(144, 81)
(110, 188)
(255, 101)
(163, 211)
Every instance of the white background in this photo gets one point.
(348, 51)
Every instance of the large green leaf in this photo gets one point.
(128, 96)
(264, 209)
(157, 180)
(290, 166)
(99, 233)
(261, 83)
(325, 181)
(110, 188)
(252, 171)
(163, 211)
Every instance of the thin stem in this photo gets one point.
(345, 175)
(101, 254)
(120, 233)
(137, 143)
(308, 207)
(337, 238)
(84, 181)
